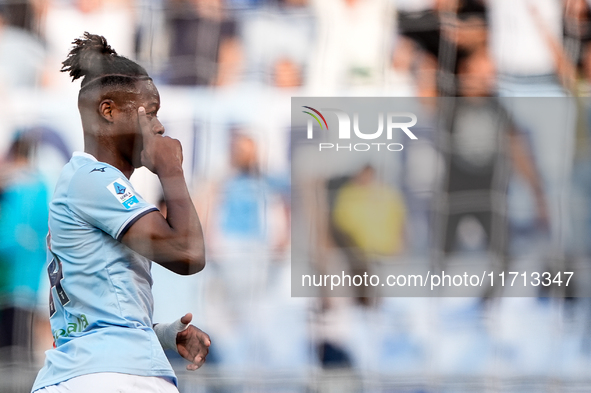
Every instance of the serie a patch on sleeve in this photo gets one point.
(123, 192)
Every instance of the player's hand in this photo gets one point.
(160, 154)
(192, 344)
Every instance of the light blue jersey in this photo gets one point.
(101, 291)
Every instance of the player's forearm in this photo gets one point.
(186, 241)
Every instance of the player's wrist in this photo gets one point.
(170, 171)
(167, 332)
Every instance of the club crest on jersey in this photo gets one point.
(123, 193)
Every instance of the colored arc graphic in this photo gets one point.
(318, 120)
(318, 113)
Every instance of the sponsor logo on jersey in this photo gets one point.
(123, 192)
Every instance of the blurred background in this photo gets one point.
(489, 178)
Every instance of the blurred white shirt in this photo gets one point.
(518, 45)
(65, 22)
(353, 43)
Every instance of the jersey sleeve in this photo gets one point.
(106, 199)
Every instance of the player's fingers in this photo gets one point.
(185, 347)
(199, 360)
(202, 354)
(144, 122)
(196, 360)
(204, 337)
(187, 318)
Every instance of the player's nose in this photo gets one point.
(158, 128)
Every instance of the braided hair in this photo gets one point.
(94, 60)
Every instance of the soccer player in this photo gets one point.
(103, 237)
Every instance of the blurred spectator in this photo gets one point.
(403, 68)
(281, 33)
(203, 44)
(463, 30)
(480, 143)
(65, 21)
(368, 220)
(22, 14)
(286, 74)
(22, 55)
(23, 227)
(527, 45)
(520, 32)
(353, 43)
(244, 199)
(578, 38)
(464, 23)
(419, 21)
(247, 229)
(370, 214)
(444, 30)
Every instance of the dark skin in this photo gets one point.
(192, 344)
(121, 128)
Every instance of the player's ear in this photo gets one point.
(106, 108)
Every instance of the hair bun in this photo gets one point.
(89, 56)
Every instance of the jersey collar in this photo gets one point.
(84, 154)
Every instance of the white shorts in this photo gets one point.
(112, 383)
